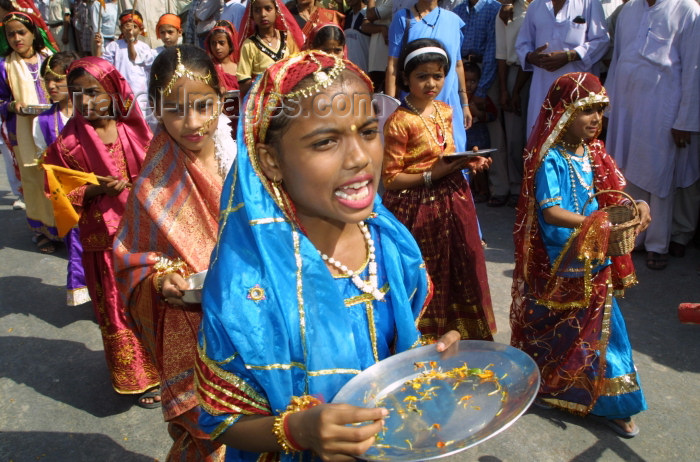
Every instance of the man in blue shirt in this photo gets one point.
(479, 43)
(479, 47)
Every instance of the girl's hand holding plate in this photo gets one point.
(326, 429)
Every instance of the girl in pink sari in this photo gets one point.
(109, 137)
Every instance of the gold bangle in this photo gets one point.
(166, 266)
(278, 430)
(158, 283)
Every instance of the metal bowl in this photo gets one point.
(35, 109)
(194, 293)
(458, 413)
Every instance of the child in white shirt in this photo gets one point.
(132, 58)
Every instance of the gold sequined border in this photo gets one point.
(620, 385)
(223, 426)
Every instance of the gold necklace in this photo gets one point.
(570, 146)
(440, 124)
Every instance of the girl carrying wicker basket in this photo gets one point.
(564, 313)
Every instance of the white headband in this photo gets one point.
(421, 51)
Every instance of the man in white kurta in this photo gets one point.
(514, 86)
(552, 44)
(654, 87)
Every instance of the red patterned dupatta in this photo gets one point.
(322, 16)
(308, 44)
(560, 320)
(79, 147)
(172, 212)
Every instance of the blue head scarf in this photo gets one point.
(272, 310)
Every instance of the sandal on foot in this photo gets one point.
(497, 201)
(617, 428)
(44, 244)
(152, 394)
(657, 261)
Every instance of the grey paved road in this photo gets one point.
(56, 403)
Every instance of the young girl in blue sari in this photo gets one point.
(564, 312)
(312, 279)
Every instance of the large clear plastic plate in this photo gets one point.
(449, 415)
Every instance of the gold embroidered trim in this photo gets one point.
(229, 393)
(600, 383)
(270, 367)
(223, 426)
(579, 408)
(364, 298)
(226, 211)
(266, 221)
(333, 371)
(549, 201)
(227, 360)
(322, 79)
(358, 271)
(228, 377)
(369, 307)
(620, 385)
(207, 407)
(300, 302)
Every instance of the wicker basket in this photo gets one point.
(624, 219)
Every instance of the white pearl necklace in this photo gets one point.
(368, 287)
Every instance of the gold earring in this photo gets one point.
(276, 190)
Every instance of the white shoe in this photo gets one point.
(19, 204)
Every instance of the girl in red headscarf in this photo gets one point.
(329, 38)
(109, 137)
(268, 33)
(221, 45)
(564, 313)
